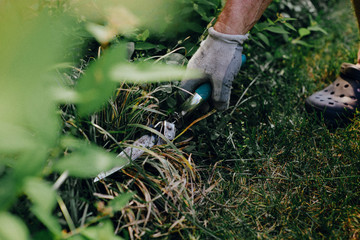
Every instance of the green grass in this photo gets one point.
(279, 172)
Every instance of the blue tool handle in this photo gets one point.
(204, 90)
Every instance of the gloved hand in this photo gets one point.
(219, 58)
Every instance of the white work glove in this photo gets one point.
(219, 58)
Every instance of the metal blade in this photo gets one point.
(146, 141)
(131, 153)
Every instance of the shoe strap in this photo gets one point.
(350, 71)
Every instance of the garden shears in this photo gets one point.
(167, 128)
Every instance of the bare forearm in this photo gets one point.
(239, 16)
(356, 4)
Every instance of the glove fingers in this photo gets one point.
(222, 89)
(222, 104)
(191, 84)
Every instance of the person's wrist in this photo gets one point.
(226, 29)
(228, 38)
(223, 28)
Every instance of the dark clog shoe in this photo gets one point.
(338, 101)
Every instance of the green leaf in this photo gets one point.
(288, 19)
(270, 21)
(47, 219)
(42, 234)
(40, 193)
(288, 25)
(277, 29)
(12, 228)
(303, 43)
(148, 46)
(72, 143)
(263, 38)
(269, 56)
(317, 29)
(120, 201)
(65, 95)
(78, 237)
(257, 43)
(148, 72)
(212, 4)
(194, 26)
(261, 26)
(30, 163)
(103, 231)
(143, 36)
(95, 87)
(303, 32)
(8, 191)
(16, 138)
(31, 116)
(201, 12)
(88, 161)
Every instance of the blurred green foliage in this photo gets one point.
(35, 39)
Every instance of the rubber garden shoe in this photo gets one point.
(338, 102)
